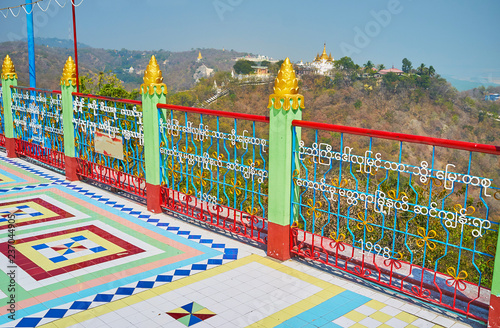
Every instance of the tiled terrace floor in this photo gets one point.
(88, 258)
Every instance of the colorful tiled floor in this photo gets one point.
(88, 258)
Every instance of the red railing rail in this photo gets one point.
(35, 89)
(462, 145)
(248, 117)
(127, 101)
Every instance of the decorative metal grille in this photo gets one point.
(109, 141)
(416, 217)
(214, 167)
(37, 118)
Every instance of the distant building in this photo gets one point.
(202, 72)
(261, 70)
(323, 64)
(200, 57)
(391, 70)
(258, 59)
(492, 97)
(131, 70)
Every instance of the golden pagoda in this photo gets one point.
(324, 56)
(200, 57)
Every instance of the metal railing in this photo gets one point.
(412, 213)
(214, 167)
(37, 118)
(109, 141)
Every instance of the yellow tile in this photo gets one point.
(355, 316)
(406, 317)
(68, 321)
(282, 316)
(335, 290)
(49, 325)
(437, 326)
(387, 326)
(269, 322)
(375, 304)
(315, 299)
(380, 316)
(358, 325)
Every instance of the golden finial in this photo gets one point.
(69, 73)
(200, 57)
(153, 79)
(8, 69)
(286, 89)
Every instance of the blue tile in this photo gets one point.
(103, 298)
(79, 305)
(295, 322)
(125, 291)
(28, 322)
(145, 284)
(199, 267)
(214, 261)
(55, 313)
(179, 272)
(58, 259)
(41, 246)
(331, 325)
(161, 278)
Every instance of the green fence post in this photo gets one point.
(68, 86)
(9, 78)
(285, 105)
(494, 315)
(153, 92)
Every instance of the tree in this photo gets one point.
(391, 81)
(380, 67)
(406, 66)
(345, 63)
(421, 69)
(432, 71)
(243, 66)
(369, 65)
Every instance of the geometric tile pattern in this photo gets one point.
(191, 313)
(227, 254)
(36, 256)
(375, 314)
(31, 211)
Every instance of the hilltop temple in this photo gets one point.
(322, 64)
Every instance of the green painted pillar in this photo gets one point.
(9, 78)
(68, 86)
(153, 92)
(285, 105)
(494, 315)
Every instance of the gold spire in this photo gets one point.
(286, 89)
(324, 55)
(153, 78)
(200, 57)
(8, 69)
(69, 73)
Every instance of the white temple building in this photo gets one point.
(323, 63)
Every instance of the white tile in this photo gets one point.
(395, 302)
(344, 322)
(396, 323)
(426, 314)
(390, 310)
(370, 322)
(410, 308)
(366, 310)
(421, 323)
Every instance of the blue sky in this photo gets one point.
(458, 37)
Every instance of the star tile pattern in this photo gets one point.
(191, 313)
